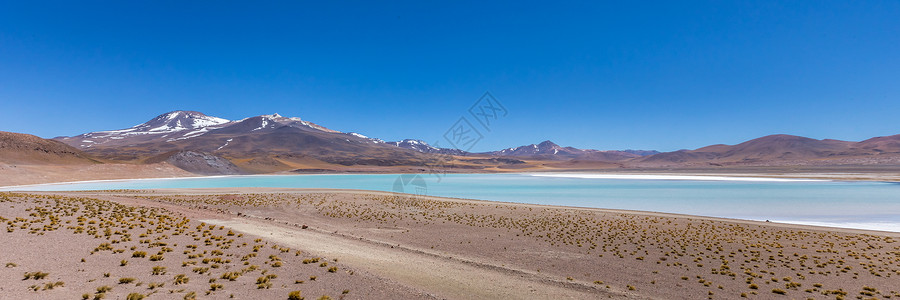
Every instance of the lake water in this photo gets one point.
(864, 205)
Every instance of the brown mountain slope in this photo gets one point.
(881, 144)
(19, 148)
(27, 159)
(779, 147)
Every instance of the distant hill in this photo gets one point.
(19, 148)
(782, 149)
(882, 144)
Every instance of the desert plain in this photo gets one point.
(268, 243)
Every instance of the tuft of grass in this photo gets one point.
(157, 270)
(35, 275)
(295, 295)
(154, 285)
(139, 254)
(231, 276)
(135, 296)
(263, 282)
(126, 280)
(51, 285)
(190, 296)
(181, 279)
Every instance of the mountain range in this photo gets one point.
(271, 143)
(202, 144)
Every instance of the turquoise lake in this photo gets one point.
(864, 205)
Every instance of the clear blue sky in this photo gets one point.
(647, 75)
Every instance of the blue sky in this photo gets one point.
(643, 75)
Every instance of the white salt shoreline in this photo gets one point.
(874, 226)
(672, 177)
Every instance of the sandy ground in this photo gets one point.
(60, 247)
(18, 174)
(402, 247)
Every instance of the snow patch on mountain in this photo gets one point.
(365, 138)
(422, 146)
(226, 144)
(274, 120)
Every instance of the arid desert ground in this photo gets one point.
(341, 244)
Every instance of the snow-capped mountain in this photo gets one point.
(273, 121)
(544, 148)
(421, 146)
(180, 125)
(177, 121)
(366, 138)
(417, 145)
(550, 150)
(258, 144)
(169, 126)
